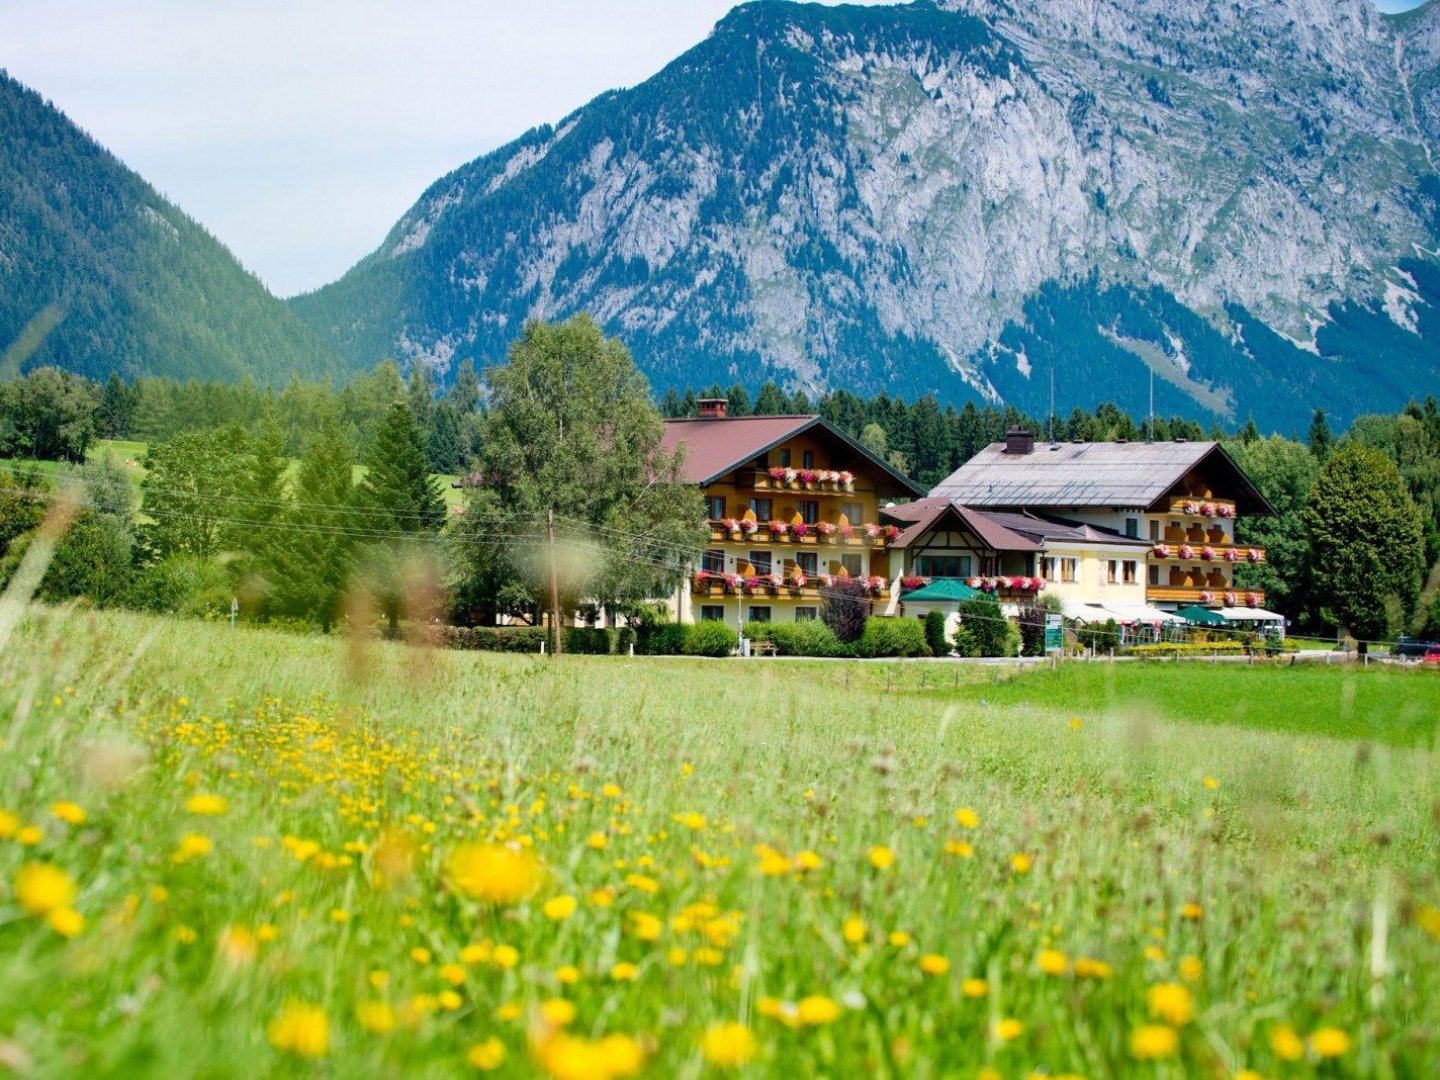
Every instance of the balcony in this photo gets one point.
(1193, 506)
(809, 481)
(1204, 595)
(1209, 552)
(815, 589)
(822, 533)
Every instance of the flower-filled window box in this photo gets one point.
(1207, 553)
(1162, 551)
(1232, 556)
(913, 584)
(1255, 555)
(780, 531)
(797, 581)
(825, 530)
(1207, 510)
(877, 586)
(1207, 597)
(1232, 599)
(1187, 552)
(1253, 599)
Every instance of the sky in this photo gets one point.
(299, 131)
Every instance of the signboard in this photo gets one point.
(1054, 633)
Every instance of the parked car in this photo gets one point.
(1432, 657)
(1414, 647)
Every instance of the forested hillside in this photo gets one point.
(100, 274)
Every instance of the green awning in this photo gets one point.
(942, 591)
(1202, 616)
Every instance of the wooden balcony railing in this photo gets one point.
(763, 535)
(1226, 554)
(1202, 594)
(814, 589)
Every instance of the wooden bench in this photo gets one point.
(763, 648)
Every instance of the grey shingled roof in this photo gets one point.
(1120, 475)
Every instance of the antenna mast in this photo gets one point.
(1152, 406)
(1052, 403)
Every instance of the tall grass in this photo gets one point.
(1276, 880)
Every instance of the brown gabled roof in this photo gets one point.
(717, 446)
(1062, 530)
(924, 515)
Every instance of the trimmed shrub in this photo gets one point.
(935, 633)
(710, 639)
(964, 643)
(1102, 637)
(511, 639)
(809, 638)
(585, 641)
(892, 638)
(662, 639)
(981, 616)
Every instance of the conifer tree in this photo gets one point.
(309, 553)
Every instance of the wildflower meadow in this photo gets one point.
(235, 853)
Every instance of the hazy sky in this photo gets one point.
(298, 131)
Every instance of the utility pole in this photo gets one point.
(554, 580)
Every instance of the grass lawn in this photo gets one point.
(402, 863)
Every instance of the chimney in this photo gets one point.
(714, 408)
(1019, 442)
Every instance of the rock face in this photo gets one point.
(1239, 199)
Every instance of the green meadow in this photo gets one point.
(264, 854)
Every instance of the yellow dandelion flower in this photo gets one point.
(854, 930)
(421, 955)
(192, 846)
(339, 915)
(1086, 968)
(1429, 920)
(1210, 782)
(934, 964)
(1330, 1043)
(29, 836)
(1192, 912)
(378, 979)
(558, 1012)
(1191, 968)
(494, 873)
(9, 824)
(237, 945)
(728, 1046)
(881, 857)
(67, 922)
(454, 974)
(510, 1010)
(1154, 1041)
(677, 957)
(809, 860)
(159, 894)
(186, 935)
(449, 1000)
(69, 812)
(207, 805)
(506, 956)
(899, 939)
(624, 972)
(692, 821)
(1075, 724)
(815, 1010)
(646, 926)
(486, 1056)
(1170, 1002)
(1052, 962)
(967, 818)
(376, 1017)
(301, 1030)
(974, 988)
(1021, 863)
(597, 841)
(41, 888)
(1009, 1029)
(560, 908)
(959, 848)
(567, 975)
(612, 791)
(602, 898)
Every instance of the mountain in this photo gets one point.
(98, 273)
(966, 196)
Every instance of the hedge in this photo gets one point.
(1212, 648)
(809, 638)
(527, 639)
(694, 639)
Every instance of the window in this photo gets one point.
(852, 565)
(1154, 530)
(758, 614)
(712, 613)
(943, 566)
(763, 509)
(853, 512)
(1129, 570)
(1049, 568)
(713, 562)
(1132, 527)
(715, 507)
(1112, 573)
(988, 567)
(785, 458)
(1069, 570)
(760, 560)
(808, 459)
(810, 512)
(1154, 575)
(808, 562)
(806, 614)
